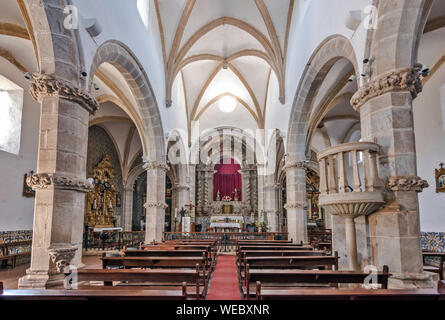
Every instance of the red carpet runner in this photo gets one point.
(224, 284)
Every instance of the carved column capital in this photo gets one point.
(53, 180)
(158, 205)
(182, 187)
(393, 81)
(50, 86)
(155, 165)
(400, 183)
(61, 255)
(294, 164)
(294, 205)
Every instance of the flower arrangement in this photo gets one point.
(262, 226)
(226, 198)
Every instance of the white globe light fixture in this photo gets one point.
(227, 104)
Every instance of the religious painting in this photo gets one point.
(440, 178)
(27, 190)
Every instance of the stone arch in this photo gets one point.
(247, 138)
(43, 19)
(146, 116)
(396, 47)
(330, 51)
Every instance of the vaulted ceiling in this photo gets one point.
(225, 48)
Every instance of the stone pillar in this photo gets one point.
(192, 184)
(155, 206)
(271, 204)
(183, 191)
(60, 182)
(296, 200)
(208, 188)
(128, 208)
(260, 187)
(385, 106)
(199, 191)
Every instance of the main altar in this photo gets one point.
(226, 197)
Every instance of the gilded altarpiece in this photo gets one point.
(101, 201)
(314, 212)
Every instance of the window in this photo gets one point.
(144, 12)
(11, 105)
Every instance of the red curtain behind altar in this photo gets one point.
(227, 179)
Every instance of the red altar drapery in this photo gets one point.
(227, 179)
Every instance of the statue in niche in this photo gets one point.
(236, 193)
(218, 196)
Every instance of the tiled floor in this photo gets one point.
(224, 284)
(10, 277)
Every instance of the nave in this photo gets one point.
(222, 149)
(191, 269)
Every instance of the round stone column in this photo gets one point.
(296, 199)
(155, 206)
(60, 182)
(385, 106)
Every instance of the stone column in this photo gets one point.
(155, 206)
(192, 184)
(199, 192)
(296, 200)
(208, 188)
(385, 106)
(271, 204)
(60, 182)
(260, 187)
(128, 208)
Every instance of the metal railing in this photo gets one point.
(112, 240)
(226, 241)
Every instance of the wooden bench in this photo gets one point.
(165, 253)
(350, 294)
(210, 250)
(145, 279)
(158, 263)
(238, 242)
(94, 294)
(292, 262)
(439, 269)
(275, 253)
(6, 255)
(280, 279)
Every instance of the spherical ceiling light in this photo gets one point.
(227, 104)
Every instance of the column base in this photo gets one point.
(34, 280)
(411, 281)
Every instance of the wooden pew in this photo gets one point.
(158, 262)
(94, 294)
(165, 253)
(289, 277)
(145, 279)
(262, 241)
(210, 250)
(292, 262)
(349, 294)
(275, 253)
